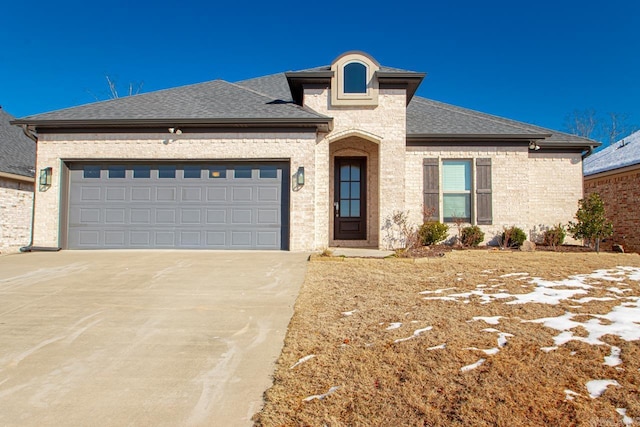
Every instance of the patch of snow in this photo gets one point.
(490, 320)
(302, 360)
(437, 347)
(613, 359)
(487, 271)
(626, 420)
(502, 338)
(589, 299)
(618, 290)
(416, 333)
(490, 330)
(321, 396)
(548, 349)
(597, 387)
(569, 394)
(514, 274)
(490, 351)
(472, 366)
(394, 325)
(348, 313)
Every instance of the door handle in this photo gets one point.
(336, 208)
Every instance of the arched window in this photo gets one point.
(355, 78)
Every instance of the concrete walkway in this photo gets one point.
(145, 338)
(361, 252)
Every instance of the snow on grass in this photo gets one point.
(597, 387)
(437, 291)
(514, 274)
(348, 313)
(438, 347)
(321, 396)
(613, 359)
(394, 325)
(502, 338)
(494, 320)
(416, 333)
(302, 360)
(570, 394)
(489, 351)
(472, 366)
(589, 299)
(626, 420)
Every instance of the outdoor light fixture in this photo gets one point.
(45, 178)
(300, 176)
(533, 146)
(176, 131)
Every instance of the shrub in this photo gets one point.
(432, 232)
(513, 237)
(592, 224)
(554, 236)
(471, 236)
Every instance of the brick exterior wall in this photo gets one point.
(378, 132)
(54, 149)
(620, 193)
(16, 201)
(530, 190)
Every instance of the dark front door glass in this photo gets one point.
(349, 203)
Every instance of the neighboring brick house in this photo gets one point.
(614, 173)
(17, 160)
(299, 160)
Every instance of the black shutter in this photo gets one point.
(483, 191)
(431, 187)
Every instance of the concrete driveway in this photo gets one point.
(141, 338)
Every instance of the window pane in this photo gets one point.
(268, 172)
(191, 171)
(91, 171)
(166, 171)
(355, 208)
(456, 206)
(344, 208)
(355, 173)
(142, 171)
(344, 173)
(117, 171)
(217, 172)
(242, 171)
(456, 175)
(355, 190)
(344, 190)
(355, 78)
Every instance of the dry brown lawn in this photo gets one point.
(347, 328)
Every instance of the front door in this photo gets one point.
(349, 206)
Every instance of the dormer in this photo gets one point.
(354, 81)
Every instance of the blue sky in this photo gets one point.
(531, 61)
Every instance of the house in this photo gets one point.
(298, 161)
(614, 173)
(17, 161)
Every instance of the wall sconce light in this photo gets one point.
(176, 131)
(300, 176)
(533, 146)
(45, 178)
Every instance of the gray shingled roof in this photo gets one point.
(17, 151)
(427, 117)
(623, 153)
(216, 99)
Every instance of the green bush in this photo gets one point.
(554, 236)
(432, 232)
(471, 236)
(513, 237)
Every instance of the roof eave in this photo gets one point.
(432, 137)
(410, 80)
(321, 123)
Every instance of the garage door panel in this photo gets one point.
(180, 209)
(141, 194)
(116, 194)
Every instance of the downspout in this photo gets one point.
(30, 247)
